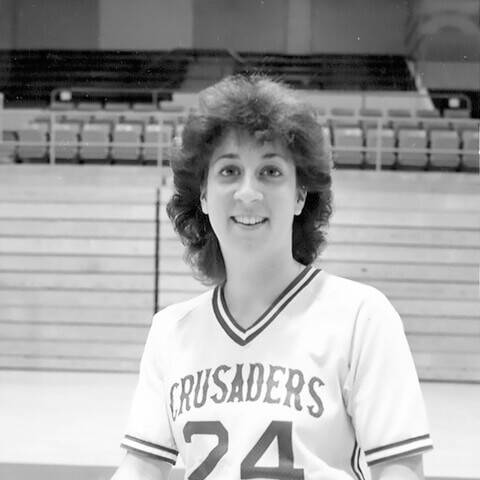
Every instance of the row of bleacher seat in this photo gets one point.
(91, 142)
(44, 70)
(365, 118)
(331, 71)
(406, 148)
(365, 137)
(48, 70)
(402, 138)
(396, 118)
(112, 106)
(148, 143)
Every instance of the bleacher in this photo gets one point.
(415, 139)
(332, 72)
(87, 256)
(404, 139)
(27, 77)
(119, 107)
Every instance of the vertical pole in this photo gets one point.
(1, 117)
(157, 252)
(52, 140)
(378, 158)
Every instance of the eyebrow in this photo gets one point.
(235, 156)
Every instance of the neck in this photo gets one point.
(252, 287)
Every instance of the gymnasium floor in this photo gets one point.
(69, 425)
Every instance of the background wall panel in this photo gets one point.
(254, 26)
(68, 24)
(6, 24)
(352, 26)
(145, 24)
(280, 26)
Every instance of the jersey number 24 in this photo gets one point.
(281, 431)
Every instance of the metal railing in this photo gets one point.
(50, 119)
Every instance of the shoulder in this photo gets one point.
(335, 289)
(168, 322)
(352, 302)
(177, 312)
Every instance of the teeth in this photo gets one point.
(248, 220)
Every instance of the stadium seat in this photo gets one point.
(126, 133)
(427, 113)
(8, 147)
(430, 119)
(62, 106)
(89, 106)
(446, 140)
(460, 119)
(75, 124)
(138, 117)
(144, 107)
(117, 106)
(401, 118)
(95, 142)
(399, 113)
(471, 150)
(111, 118)
(157, 143)
(32, 144)
(172, 107)
(79, 118)
(460, 125)
(66, 142)
(344, 118)
(412, 144)
(373, 114)
(387, 141)
(456, 113)
(174, 112)
(42, 123)
(349, 149)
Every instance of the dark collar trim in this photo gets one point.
(243, 336)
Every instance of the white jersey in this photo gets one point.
(322, 385)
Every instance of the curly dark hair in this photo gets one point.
(267, 110)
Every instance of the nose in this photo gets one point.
(248, 190)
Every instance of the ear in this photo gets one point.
(300, 202)
(203, 201)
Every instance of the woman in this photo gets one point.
(281, 371)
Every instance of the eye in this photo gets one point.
(228, 171)
(271, 171)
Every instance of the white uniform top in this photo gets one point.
(321, 384)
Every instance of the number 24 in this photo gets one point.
(282, 431)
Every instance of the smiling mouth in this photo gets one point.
(248, 221)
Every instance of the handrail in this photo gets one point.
(154, 94)
(54, 118)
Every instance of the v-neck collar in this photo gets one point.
(243, 336)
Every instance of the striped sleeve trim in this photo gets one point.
(151, 449)
(412, 446)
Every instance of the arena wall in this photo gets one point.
(244, 26)
(145, 24)
(6, 24)
(66, 24)
(281, 26)
(349, 26)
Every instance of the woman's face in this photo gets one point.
(251, 197)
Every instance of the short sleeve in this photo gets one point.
(148, 430)
(384, 398)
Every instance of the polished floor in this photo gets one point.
(72, 423)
